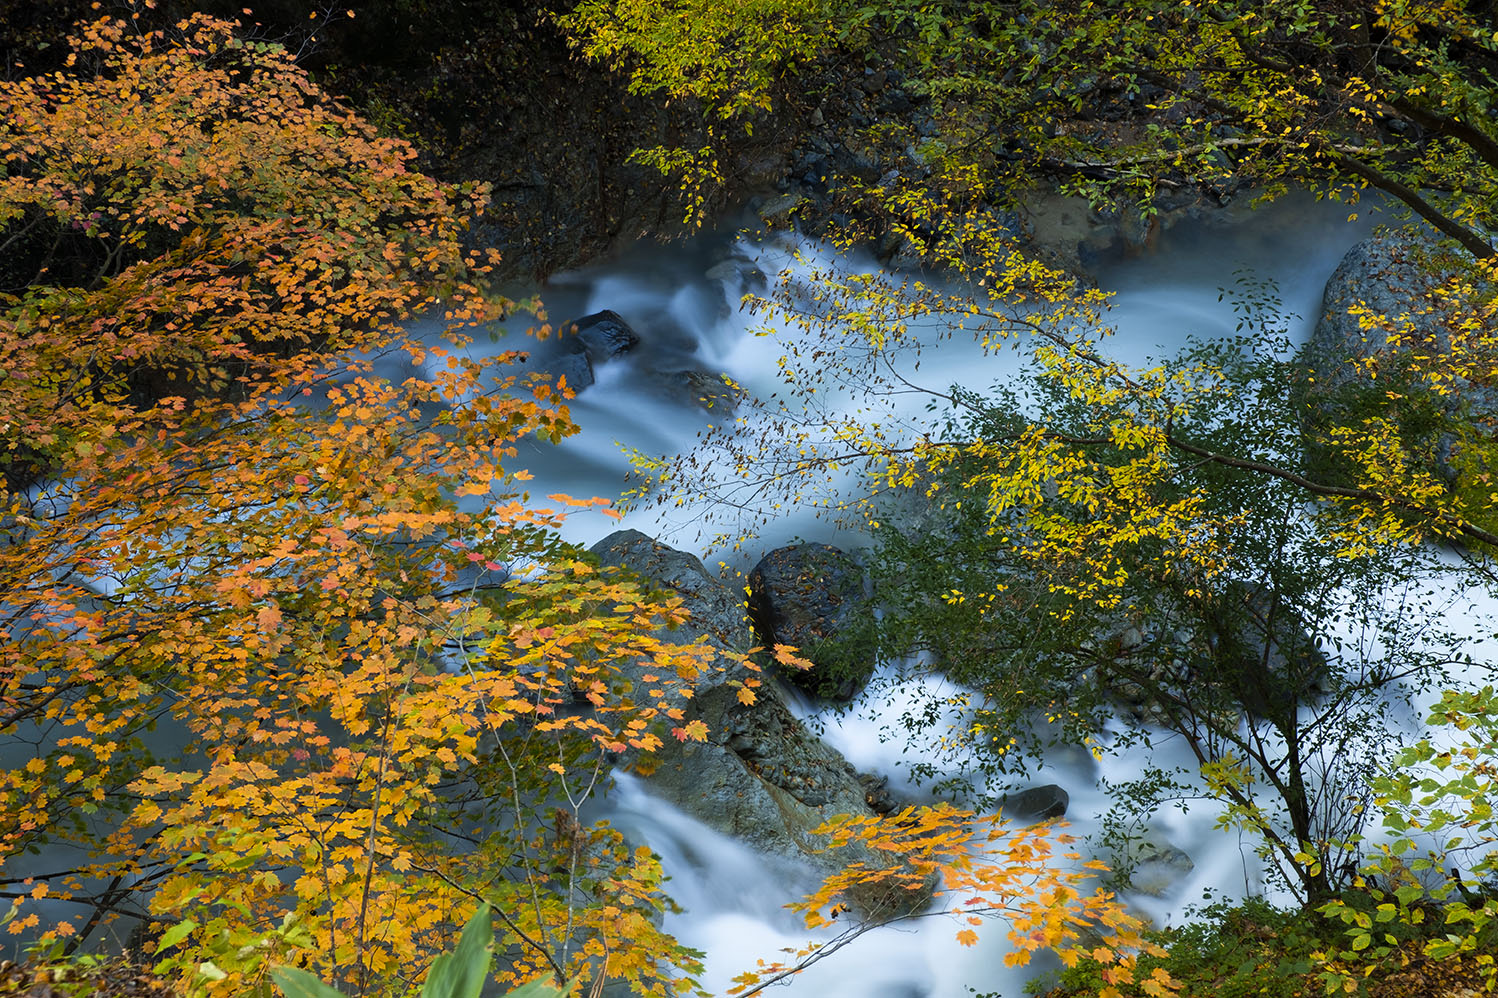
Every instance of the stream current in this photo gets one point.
(733, 898)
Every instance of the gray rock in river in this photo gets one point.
(1156, 867)
(1037, 803)
(739, 276)
(601, 336)
(1239, 647)
(713, 393)
(1391, 276)
(761, 776)
(812, 596)
(574, 368)
(1386, 274)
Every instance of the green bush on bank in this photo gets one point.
(1228, 951)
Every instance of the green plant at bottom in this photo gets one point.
(1435, 878)
(1228, 951)
(459, 974)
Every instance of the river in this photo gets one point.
(733, 899)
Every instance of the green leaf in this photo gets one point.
(176, 934)
(461, 973)
(296, 983)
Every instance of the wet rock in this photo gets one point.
(761, 776)
(876, 793)
(777, 212)
(586, 342)
(601, 336)
(713, 393)
(1037, 803)
(573, 369)
(1240, 651)
(1391, 276)
(812, 596)
(739, 276)
(1385, 275)
(1158, 866)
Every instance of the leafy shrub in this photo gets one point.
(1229, 951)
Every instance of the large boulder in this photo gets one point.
(715, 394)
(812, 596)
(601, 336)
(738, 276)
(760, 776)
(571, 369)
(1384, 285)
(586, 343)
(1039, 803)
(1387, 275)
(1154, 865)
(1241, 649)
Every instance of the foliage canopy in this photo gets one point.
(295, 672)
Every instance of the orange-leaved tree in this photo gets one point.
(292, 672)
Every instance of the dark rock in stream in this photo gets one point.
(601, 336)
(812, 596)
(712, 393)
(1037, 803)
(585, 343)
(573, 367)
(739, 276)
(1242, 648)
(761, 776)
(1382, 273)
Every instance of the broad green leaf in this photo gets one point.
(461, 973)
(176, 934)
(297, 983)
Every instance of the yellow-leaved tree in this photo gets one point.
(1235, 546)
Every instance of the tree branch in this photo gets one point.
(1459, 525)
(1470, 240)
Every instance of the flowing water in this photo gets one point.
(733, 898)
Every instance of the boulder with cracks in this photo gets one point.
(760, 776)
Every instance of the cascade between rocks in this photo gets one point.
(648, 386)
(730, 818)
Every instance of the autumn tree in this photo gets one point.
(1137, 107)
(1123, 101)
(293, 671)
(1095, 536)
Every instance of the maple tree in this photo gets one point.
(294, 672)
(987, 868)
